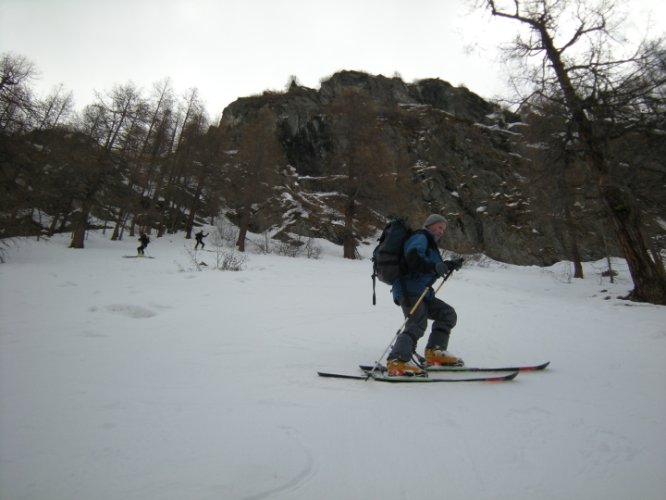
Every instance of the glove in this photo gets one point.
(443, 268)
(457, 263)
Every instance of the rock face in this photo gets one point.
(467, 159)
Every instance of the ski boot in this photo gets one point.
(436, 356)
(400, 368)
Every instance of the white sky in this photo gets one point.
(235, 48)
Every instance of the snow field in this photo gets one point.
(146, 379)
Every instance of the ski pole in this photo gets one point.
(408, 317)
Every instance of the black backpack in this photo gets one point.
(388, 261)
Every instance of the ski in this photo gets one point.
(467, 369)
(380, 377)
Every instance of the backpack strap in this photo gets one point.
(403, 271)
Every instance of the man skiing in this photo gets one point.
(144, 243)
(199, 237)
(424, 265)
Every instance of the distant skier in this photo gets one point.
(199, 237)
(144, 243)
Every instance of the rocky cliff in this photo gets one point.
(467, 159)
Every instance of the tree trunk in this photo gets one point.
(120, 223)
(193, 209)
(575, 252)
(649, 282)
(79, 234)
(54, 224)
(578, 265)
(348, 239)
(243, 225)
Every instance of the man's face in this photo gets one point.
(437, 229)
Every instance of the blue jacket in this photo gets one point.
(421, 255)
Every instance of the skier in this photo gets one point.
(424, 265)
(144, 243)
(199, 237)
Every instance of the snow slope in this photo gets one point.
(140, 379)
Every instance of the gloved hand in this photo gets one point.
(443, 268)
(457, 263)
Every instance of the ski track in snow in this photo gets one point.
(131, 311)
(294, 483)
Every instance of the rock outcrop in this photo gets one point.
(467, 158)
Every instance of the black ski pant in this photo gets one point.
(444, 318)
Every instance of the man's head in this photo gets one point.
(436, 224)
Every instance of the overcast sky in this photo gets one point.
(235, 48)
